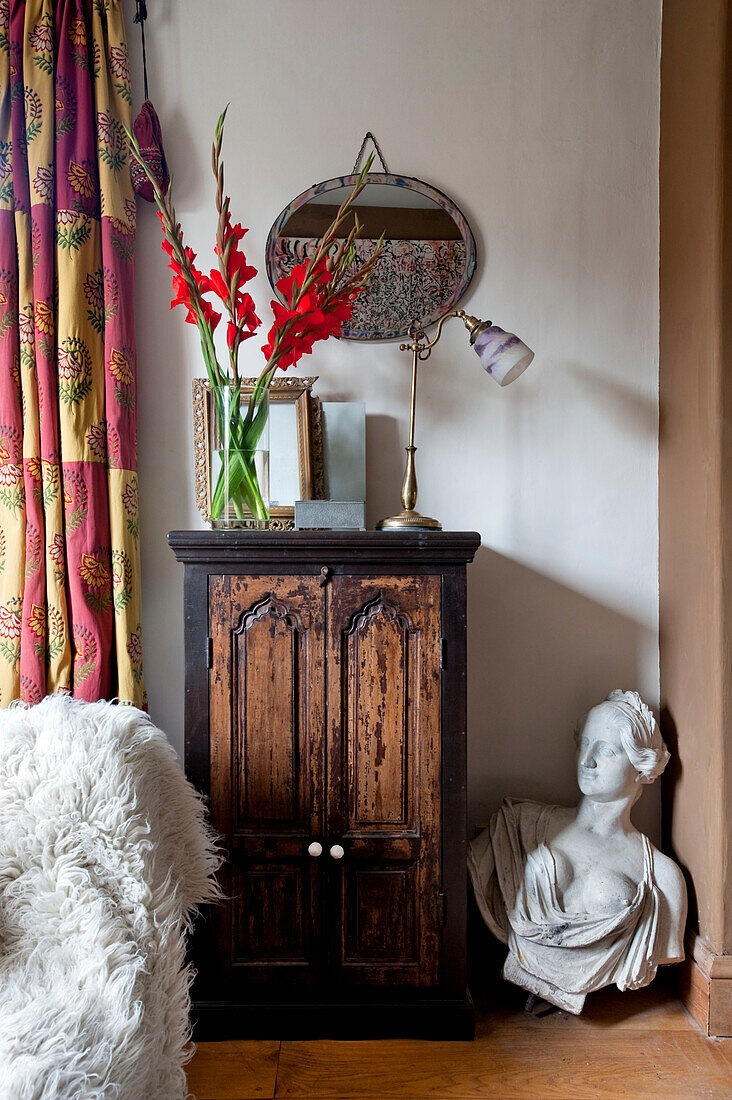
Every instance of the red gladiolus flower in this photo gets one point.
(287, 284)
(237, 268)
(209, 313)
(236, 231)
(218, 285)
(247, 320)
(246, 312)
(232, 330)
(281, 313)
(313, 318)
(181, 291)
(237, 265)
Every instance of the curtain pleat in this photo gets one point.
(69, 547)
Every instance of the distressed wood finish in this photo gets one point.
(333, 711)
(384, 757)
(267, 774)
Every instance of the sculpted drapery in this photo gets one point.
(514, 875)
(69, 556)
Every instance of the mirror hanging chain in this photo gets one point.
(380, 155)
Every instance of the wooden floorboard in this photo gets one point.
(510, 1063)
(241, 1070)
(632, 1045)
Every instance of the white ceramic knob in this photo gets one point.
(337, 851)
(315, 849)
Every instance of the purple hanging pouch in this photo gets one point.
(147, 130)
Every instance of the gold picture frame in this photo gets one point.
(308, 417)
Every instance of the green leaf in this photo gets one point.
(122, 598)
(125, 398)
(73, 238)
(124, 248)
(71, 393)
(76, 518)
(8, 320)
(11, 652)
(123, 91)
(114, 160)
(43, 63)
(12, 498)
(33, 128)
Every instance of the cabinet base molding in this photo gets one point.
(704, 982)
(452, 1019)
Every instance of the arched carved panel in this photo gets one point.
(266, 652)
(379, 605)
(273, 606)
(380, 644)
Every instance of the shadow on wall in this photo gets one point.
(634, 413)
(383, 494)
(539, 656)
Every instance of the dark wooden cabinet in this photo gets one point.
(325, 721)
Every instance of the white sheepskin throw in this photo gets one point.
(104, 854)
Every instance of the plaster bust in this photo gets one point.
(581, 898)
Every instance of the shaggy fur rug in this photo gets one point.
(104, 855)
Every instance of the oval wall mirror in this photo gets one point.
(427, 262)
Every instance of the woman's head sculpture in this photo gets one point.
(620, 746)
(581, 898)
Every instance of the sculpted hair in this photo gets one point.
(639, 734)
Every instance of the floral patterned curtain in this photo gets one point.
(69, 555)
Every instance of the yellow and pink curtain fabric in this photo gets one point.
(69, 555)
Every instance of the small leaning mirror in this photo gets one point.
(295, 446)
(427, 262)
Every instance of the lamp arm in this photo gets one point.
(472, 324)
(453, 313)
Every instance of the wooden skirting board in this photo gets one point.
(705, 986)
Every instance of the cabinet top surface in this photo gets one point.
(236, 545)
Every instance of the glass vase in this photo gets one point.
(239, 449)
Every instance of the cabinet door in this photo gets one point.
(267, 775)
(384, 765)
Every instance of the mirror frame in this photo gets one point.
(385, 179)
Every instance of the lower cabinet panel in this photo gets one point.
(380, 916)
(272, 915)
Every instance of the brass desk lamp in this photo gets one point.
(504, 357)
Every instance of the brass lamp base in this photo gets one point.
(408, 518)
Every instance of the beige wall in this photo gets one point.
(540, 117)
(695, 454)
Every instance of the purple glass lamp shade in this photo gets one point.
(502, 354)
